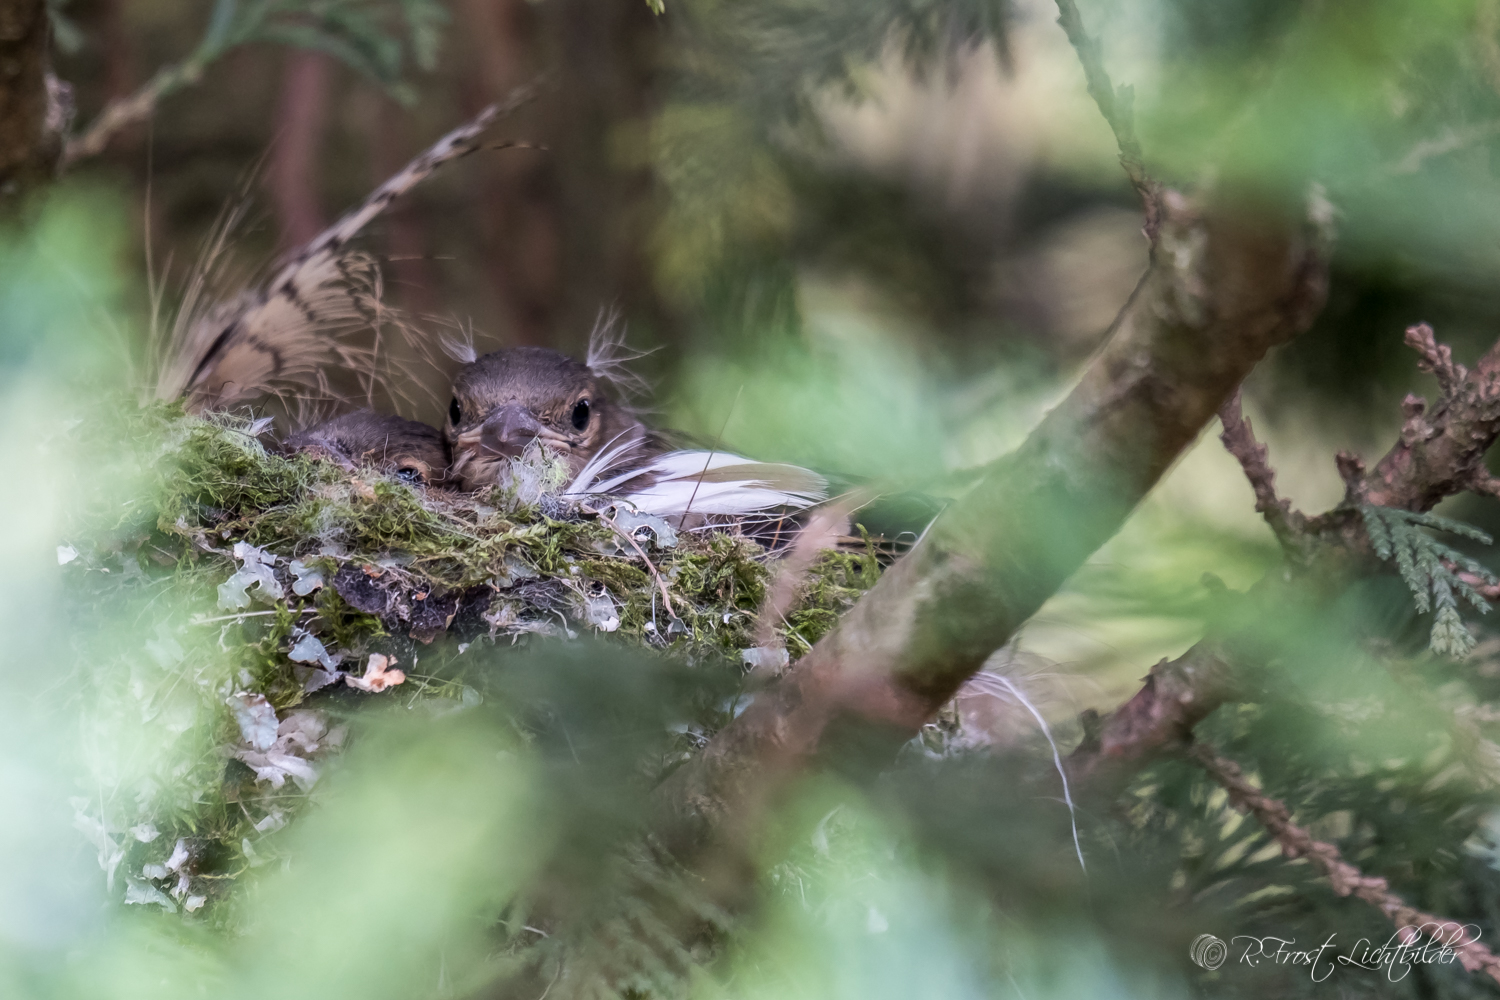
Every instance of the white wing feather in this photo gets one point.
(702, 482)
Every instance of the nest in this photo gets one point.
(277, 597)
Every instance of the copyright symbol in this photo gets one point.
(1208, 952)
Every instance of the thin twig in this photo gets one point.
(1344, 878)
(125, 111)
(1239, 440)
(666, 597)
(1118, 108)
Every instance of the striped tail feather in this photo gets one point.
(311, 314)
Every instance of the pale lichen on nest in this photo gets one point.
(276, 596)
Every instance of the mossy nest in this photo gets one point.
(273, 598)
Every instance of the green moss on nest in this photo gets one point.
(194, 487)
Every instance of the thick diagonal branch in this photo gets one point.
(1232, 283)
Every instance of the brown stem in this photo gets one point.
(1239, 440)
(1345, 879)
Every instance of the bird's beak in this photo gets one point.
(509, 430)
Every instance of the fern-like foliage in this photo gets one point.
(1431, 569)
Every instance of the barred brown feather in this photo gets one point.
(312, 313)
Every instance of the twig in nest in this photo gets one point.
(1345, 879)
(666, 596)
(822, 531)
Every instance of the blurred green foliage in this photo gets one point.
(481, 835)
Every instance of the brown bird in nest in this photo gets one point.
(308, 317)
(410, 450)
(505, 402)
(318, 311)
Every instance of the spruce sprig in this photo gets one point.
(1431, 569)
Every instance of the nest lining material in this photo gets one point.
(281, 593)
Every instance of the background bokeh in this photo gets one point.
(876, 237)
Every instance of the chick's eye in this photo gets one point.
(408, 474)
(455, 412)
(581, 415)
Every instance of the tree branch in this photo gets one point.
(1239, 440)
(1117, 107)
(1235, 282)
(1344, 878)
(1441, 450)
(1437, 455)
(137, 107)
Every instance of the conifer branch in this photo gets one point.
(1435, 456)
(1344, 878)
(1441, 448)
(1239, 439)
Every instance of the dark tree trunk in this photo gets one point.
(293, 173)
(30, 143)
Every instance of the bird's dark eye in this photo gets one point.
(409, 474)
(455, 412)
(581, 415)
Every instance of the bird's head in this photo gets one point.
(410, 451)
(504, 401)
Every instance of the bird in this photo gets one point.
(409, 450)
(507, 401)
(318, 310)
(313, 315)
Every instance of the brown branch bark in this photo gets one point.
(1345, 878)
(30, 101)
(1233, 283)
(1239, 441)
(1439, 453)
